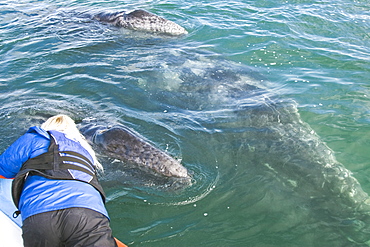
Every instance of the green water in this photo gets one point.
(54, 59)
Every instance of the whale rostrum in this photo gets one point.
(121, 143)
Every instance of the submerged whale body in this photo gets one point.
(253, 127)
(121, 143)
(141, 20)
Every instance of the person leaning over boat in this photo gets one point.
(55, 187)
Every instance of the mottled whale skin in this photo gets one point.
(142, 20)
(121, 143)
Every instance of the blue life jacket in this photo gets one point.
(58, 163)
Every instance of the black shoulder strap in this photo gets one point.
(43, 161)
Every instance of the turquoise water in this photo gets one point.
(187, 95)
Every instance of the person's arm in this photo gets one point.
(24, 148)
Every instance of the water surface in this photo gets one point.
(55, 59)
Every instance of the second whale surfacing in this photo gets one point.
(141, 20)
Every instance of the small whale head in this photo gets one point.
(124, 144)
(142, 20)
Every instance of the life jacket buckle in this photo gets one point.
(16, 214)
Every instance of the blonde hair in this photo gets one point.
(65, 124)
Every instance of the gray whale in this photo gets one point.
(121, 143)
(141, 20)
(250, 125)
